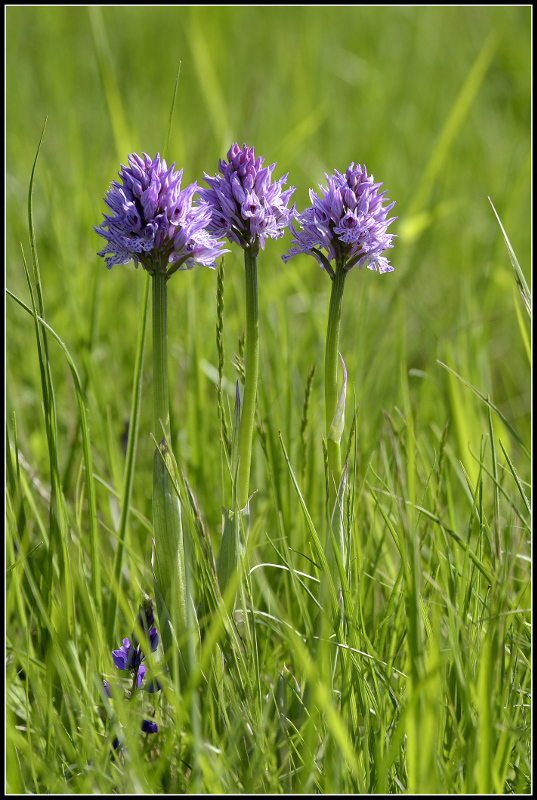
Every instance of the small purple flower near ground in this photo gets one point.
(129, 658)
(348, 222)
(247, 207)
(149, 727)
(153, 222)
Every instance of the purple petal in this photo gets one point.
(245, 204)
(348, 221)
(140, 675)
(120, 656)
(153, 639)
(147, 208)
(149, 727)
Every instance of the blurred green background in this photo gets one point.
(435, 102)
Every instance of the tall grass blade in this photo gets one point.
(490, 405)
(86, 444)
(517, 479)
(452, 126)
(172, 109)
(57, 511)
(208, 78)
(317, 546)
(103, 51)
(523, 287)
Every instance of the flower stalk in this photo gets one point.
(330, 371)
(155, 223)
(344, 227)
(251, 364)
(169, 561)
(247, 208)
(160, 355)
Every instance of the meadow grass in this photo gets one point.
(419, 678)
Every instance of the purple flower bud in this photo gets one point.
(348, 222)
(140, 675)
(130, 656)
(148, 209)
(153, 639)
(149, 727)
(246, 207)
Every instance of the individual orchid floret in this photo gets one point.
(347, 224)
(247, 207)
(153, 222)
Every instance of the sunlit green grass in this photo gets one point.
(430, 689)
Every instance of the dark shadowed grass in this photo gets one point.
(419, 678)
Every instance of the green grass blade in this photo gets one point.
(517, 480)
(114, 98)
(522, 327)
(92, 509)
(208, 78)
(318, 548)
(490, 405)
(58, 512)
(172, 109)
(452, 126)
(523, 287)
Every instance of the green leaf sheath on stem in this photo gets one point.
(251, 365)
(169, 561)
(330, 374)
(169, 564)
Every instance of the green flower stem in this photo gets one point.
(160, 355)
(330, 374)
(169, 562)
(251, 365)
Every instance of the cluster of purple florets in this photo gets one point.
(164, 228)
(154, 222)
(348, 222)
(129, 658)
(247, 208)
